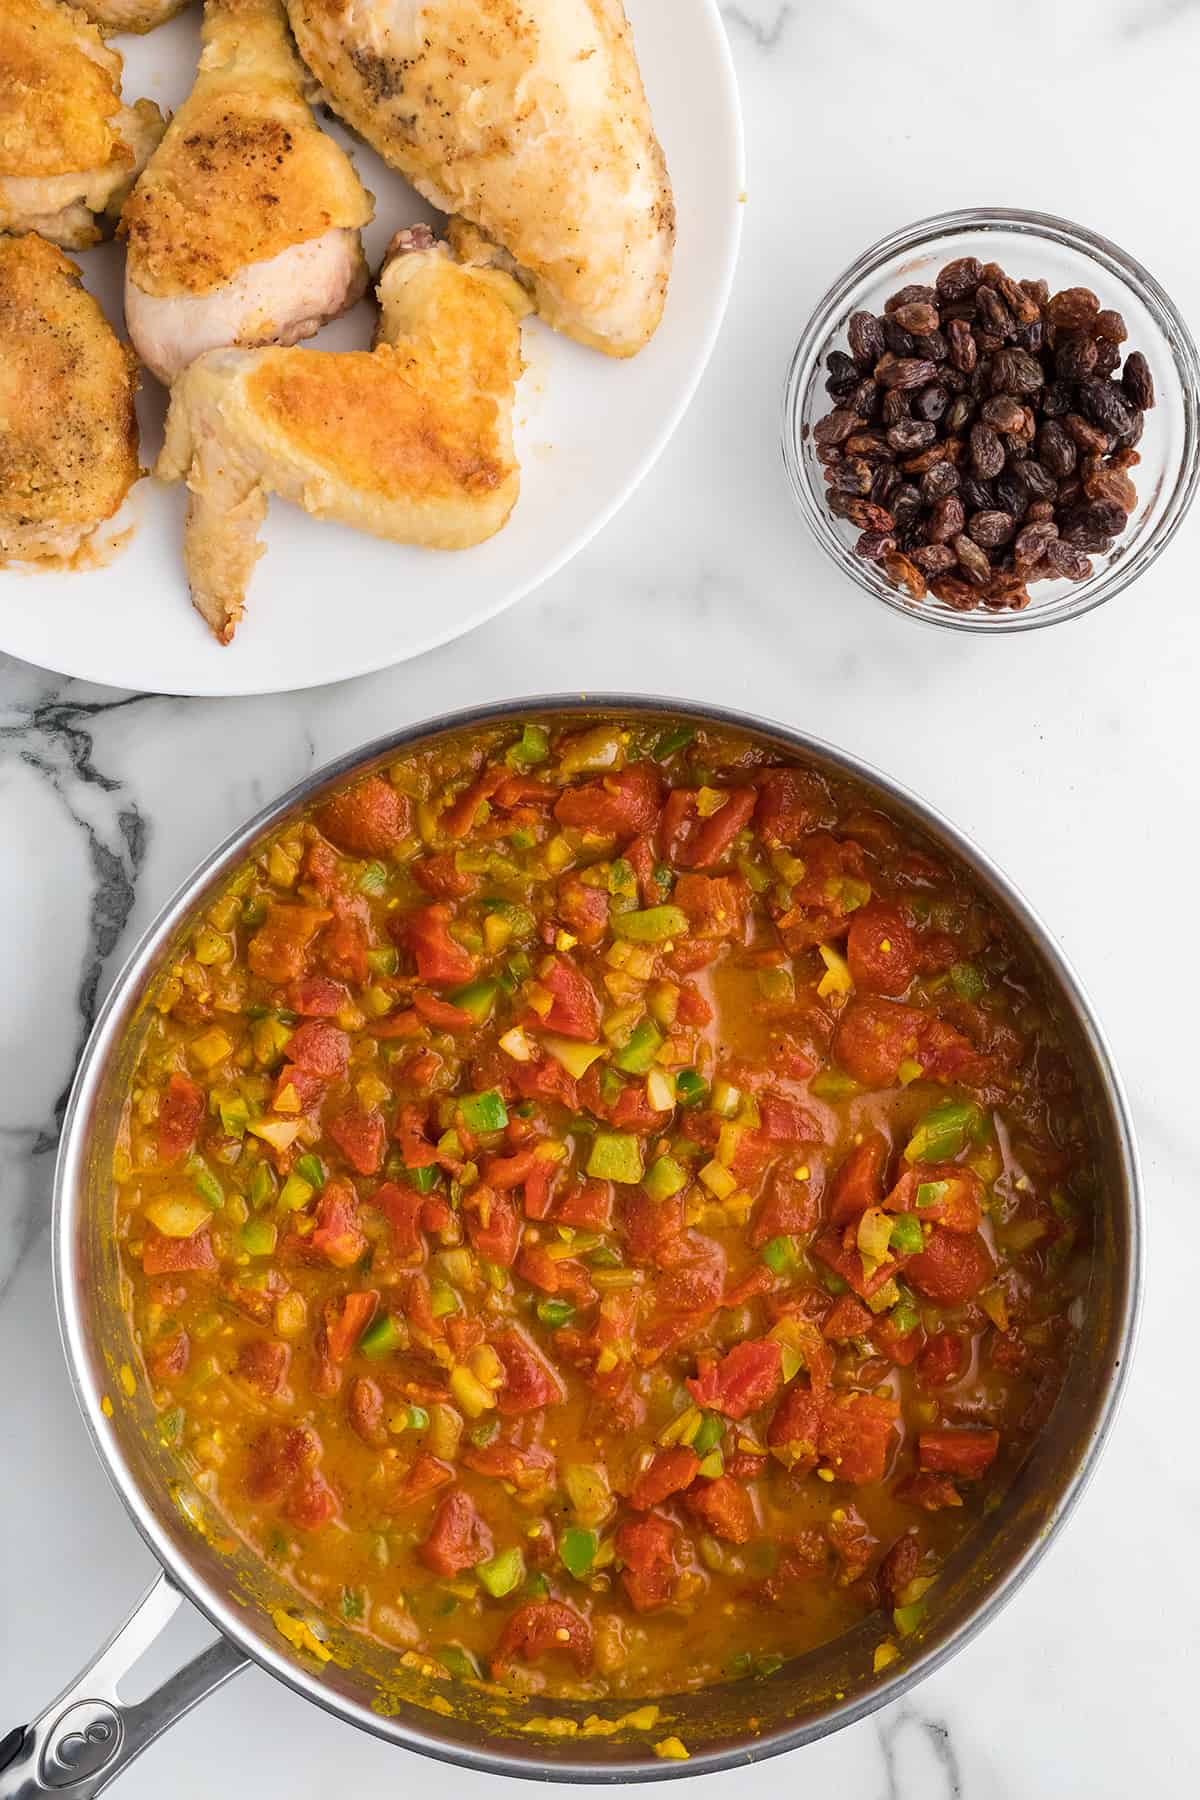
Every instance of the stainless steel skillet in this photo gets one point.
(88, 1735)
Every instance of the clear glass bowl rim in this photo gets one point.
(1118, 264)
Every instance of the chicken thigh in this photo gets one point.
(130, 15)
(529, 119)
(68, 434)
(411, 441)
(244, 227)
(70, 150)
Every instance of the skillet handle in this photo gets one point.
(87, 1736)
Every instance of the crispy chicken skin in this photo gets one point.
(131, 15)
(244, 227)
(69, 148)
(68, 434)
(411, 441)
(528, 118)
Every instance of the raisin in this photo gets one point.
(1004, 413)
(1113, 486)
(1056, 400)
(931, 403)
(885, 484)
(959, 278)
(976, 494)
(898, 341)
(873, 546)
(1072, 309)
(987, 452)
(896, 405)
(908, 296)
(1085, 435)
(975, 564)
(916, 316)
(994, 316)
(1074, 356)
(1105, 405)
(1066, 559)
(959, 412)
(1015, 371)
(911, 434)
(939, 481)
(1138, 382)
(905, 574)
(842, 378)
(963, 353)
(1110, 325)
(991, 529)
(946, 520)
(1040, 509)
(1031, 542)
(906, 505)
(852, 476)
(932, 345)
(1056, 451)
(836, 426)
(1037, 481)
(867, 516)
(1108, 358)
(906, 372)
(953, 593)
(866, 339)
(933, 559)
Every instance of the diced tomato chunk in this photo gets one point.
(621, 806)
(361, 1136)
(900, 1347)
(899, 1567)
(169, 1356)
(426, 934)
(968, 1452)
(794, 1428)
(711, 842)
(506, 1172)
(541, 1626)
(784, 1121)
(338, 1236)
(368, 819)
(670, 1473)
(365, 1409)
(576, 1010)
(952, 1268)
(319, 867)
(856, 1435)
(788, 1208)
(845, 1260)
(527, 1466)
(320, 1048)
(588, 1207)
(458, 1539)
(940, 1194)
(262, 1364)
(312, 1503)
(583, 909)
(848, 1318)
(179, 1114)
(651, 1227)
(440, 876)
(177, 1256)
(693, 1009)
(278, 951)
(529, 1380)
(647, 1548)
(545, 1080)
(401, 1205)
(944, 1357)
(858, 1182)
(790, 803)
(725, 1507)
(346, 1320)
(747, 1377)
(874, 1037)
(426, 1476)
(493, 1225)
(441, 1014)
(279, 1457)
(715, 904)
(933, 1493)
(342, 950)
(881, 949)
(317, 997)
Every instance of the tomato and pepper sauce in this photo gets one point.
(604, 1207)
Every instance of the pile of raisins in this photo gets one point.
(982, 435)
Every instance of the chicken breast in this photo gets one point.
(68, 433)
(528, 118)
(411, 441)
(244, 227)
(130, 15)
(69, 148)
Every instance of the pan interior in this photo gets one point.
(393, 1696)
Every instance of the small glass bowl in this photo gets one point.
(1032, 246)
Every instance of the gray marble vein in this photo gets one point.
(919, 1758)
(765, 32)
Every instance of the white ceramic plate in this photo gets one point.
(326, 602)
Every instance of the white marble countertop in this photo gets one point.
(1070, 754)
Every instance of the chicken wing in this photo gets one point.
(410, 441)
(68, 434)
(528, 118)
(244, 227)
(130, 15)
(69, 149)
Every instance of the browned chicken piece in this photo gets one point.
(68, 433)
(244, 227)
(527, 118)
(70, 150)
(131, 15)
(411, 441)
